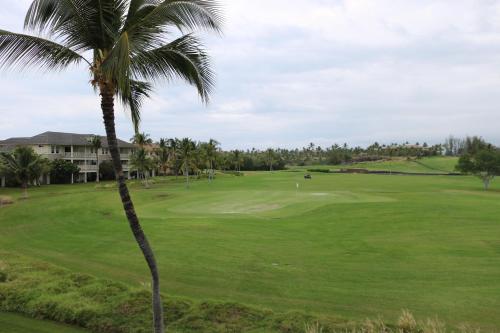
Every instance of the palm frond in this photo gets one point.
(21, 51)
(108, 19)
(149, 21)
(184, 58)
(67, 20)
(137, 92)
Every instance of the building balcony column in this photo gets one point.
(2, 182)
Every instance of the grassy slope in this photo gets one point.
(12, 323)
(424, 165)
(350, 245)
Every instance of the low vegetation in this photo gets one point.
(39, 290)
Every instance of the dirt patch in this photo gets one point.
(6, 200)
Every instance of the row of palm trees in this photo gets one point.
(188, 157)
(174, 156)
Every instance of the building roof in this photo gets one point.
(61, 139)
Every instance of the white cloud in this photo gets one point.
(291, 72)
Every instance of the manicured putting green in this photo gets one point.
(12, 323)
(346, 245)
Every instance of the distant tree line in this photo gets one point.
(187, 158)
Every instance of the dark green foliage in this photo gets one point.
(107, 170)
(23, 166)
(61, 171)
(319, 170)
(483, 162)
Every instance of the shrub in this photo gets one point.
(106, 170)
(406, 322)
(61, 171)
(319, 170)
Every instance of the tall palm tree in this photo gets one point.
(187, 152)
(140, 161)
(163, 156)
(23, 164)
(270, 158)
(211, 149)
(96, 144)
(173, 146)
(128, 46)
(141, 139)
(237, 160)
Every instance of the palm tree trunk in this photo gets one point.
(25, 190)
(97, 159)
(107, 105)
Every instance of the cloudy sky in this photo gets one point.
(290, 72)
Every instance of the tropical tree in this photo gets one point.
(237, 160)
(173, 146)
(187, 154)
(141, 139)
(270, 157)
(24, 165)
(141, 161)
(39, 170)
(62, 171)
(128, 46)
(96, 144)
(484, 164)
(163, 156)
(211, 149)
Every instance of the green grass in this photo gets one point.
(356, 246)
(424, 165)
(12, 323)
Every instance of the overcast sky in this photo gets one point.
(291, 72)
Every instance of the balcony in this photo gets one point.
(93, 168)
(91, 156)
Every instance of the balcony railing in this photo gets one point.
(90, 156)
(93, 168)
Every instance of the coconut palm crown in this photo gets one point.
(126, 46)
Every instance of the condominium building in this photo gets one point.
(74, 148)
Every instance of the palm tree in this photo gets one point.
(96, 144)
(163, 156)
(140, 161)
(25, 165)
(187, 152)
(127, 42)
(141, 139)
(173, 146)
(211, 149)
(237, 160)
(270, 158)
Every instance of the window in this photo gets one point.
(67, 149)
(54, 149)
